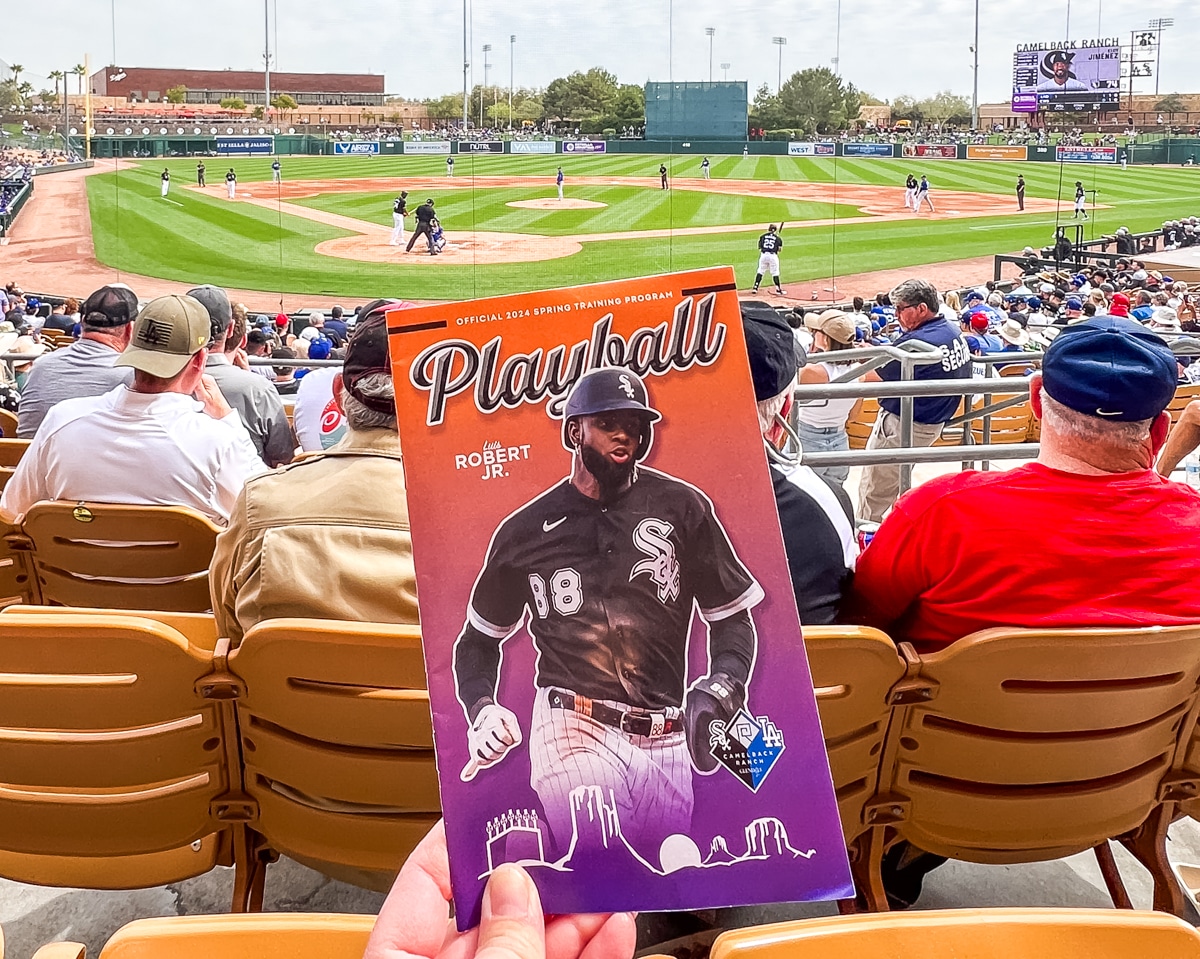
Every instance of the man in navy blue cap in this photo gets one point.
(1113, 543)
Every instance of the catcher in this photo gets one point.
(610, 565)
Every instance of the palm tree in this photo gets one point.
(80, 71)
(57, 75)
(17, 70)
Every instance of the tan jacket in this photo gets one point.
(326, 537)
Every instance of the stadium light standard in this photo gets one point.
(710, 32)
(487, 48)
(512, 52)
(780, 42)
(836, 59)
(975, 83)
(266, 57)
(466, 70)
(114, 31)
(1158, 26)
(725, 69)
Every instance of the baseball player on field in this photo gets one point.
(276, 171)
(922, 195)
(769, 245)
(910, 192)
(606, 567)
(166, 181)
(1080, 201)
(704, 167)
(200, 173)
(231, 183)
(399, 212)
(558, 179)
(449, 166)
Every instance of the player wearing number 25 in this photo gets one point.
(609, 565)
(327, 537)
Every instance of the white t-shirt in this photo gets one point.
(140, 449)
(317, 422)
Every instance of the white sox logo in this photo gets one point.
(627, 387)
(652, 537)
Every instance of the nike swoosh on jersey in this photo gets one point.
(547, 526)
(1100, 412)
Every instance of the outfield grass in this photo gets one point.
(192, 237)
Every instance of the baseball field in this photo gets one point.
(325, 228)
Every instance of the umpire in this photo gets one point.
(424, 226)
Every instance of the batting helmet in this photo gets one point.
(605, 390)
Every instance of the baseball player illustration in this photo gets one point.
(558, 179)
(200, 174)
(910, 192)
(607, 567)
(704, 165)
(769, 245)
(923, 195)
(449, 166)
(166, 182)
(1080, 201)
(662, 174)
(231, 183)
(399, 212)
(276, 171)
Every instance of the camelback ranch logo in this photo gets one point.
(451, 367)
(368, 147)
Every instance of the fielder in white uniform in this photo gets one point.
(231, 183)
(910, 192)
(166, 181)
(606, 569)
(399, 212)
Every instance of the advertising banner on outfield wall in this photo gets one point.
(356, 149)
(532, 146)
(262, 146)
(426, 146)
(866, 149)
(811, 149)
(602, 578)
(480, 146)
(584, 146)
(932, 151)
(982, 152)
(1086, 154)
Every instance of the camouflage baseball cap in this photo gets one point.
(168, 332)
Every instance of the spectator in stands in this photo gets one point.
(88, 366)
(1115, 544)
(61, 320)
(814, 512)
(335, 326)
(256, 401)
(285, 376)
(414, 919)
(916, 306)
(258, 344)
(336, 522)
(169, 438)
(821, 425)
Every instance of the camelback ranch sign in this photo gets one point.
(620, 694)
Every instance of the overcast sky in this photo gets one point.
(888, 47)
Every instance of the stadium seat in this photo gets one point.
(968, 934)
(1009, 425)
(859, 426)
(128, 557)
(113, 758)
(199, 628)
(11, 450)
(1183, 396)
(291, 935)
(17, 582)
(337, 746)
(8, 424)
(853, 669)
(1027, 745)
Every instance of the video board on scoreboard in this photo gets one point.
(1074, 76)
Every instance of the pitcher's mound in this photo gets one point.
(553, 203)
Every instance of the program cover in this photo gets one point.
(621, 699)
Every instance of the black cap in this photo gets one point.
(110, 306)
(774, 355)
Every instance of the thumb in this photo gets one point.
(512, 925)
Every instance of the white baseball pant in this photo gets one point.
(166, 185)
(910, 198)
(397, 230)
(923, 197)
(650, 777)
(276, 176)
(231, 188)
(768, 264)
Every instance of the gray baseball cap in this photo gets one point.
(168, 332)
(216, 302)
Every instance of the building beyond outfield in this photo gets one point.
(212, 86)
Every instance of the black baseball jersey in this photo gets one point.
(911, 182)
(1079, 194)
(770, 243)
(400, 206)
(230, 177)
(609, 588)
(166, 175)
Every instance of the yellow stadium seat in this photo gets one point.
(11, 450)
(1183, 396)
(8, 424)
(337, 745)
(859, 426)
(114, 760)
(968, 934)
(129, 557)
(271, 936)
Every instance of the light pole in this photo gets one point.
(466, 69)
(266, 57)
(487, 48)
(725, 69)
(1158, 26)
(975, 83)
(512, 52)
(837, 42)
(780, 42)
(710, 32)
(114, 31)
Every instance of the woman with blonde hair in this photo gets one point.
(821, 424)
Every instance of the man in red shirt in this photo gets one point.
(1089, 535)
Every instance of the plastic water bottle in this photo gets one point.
(1191, 468)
